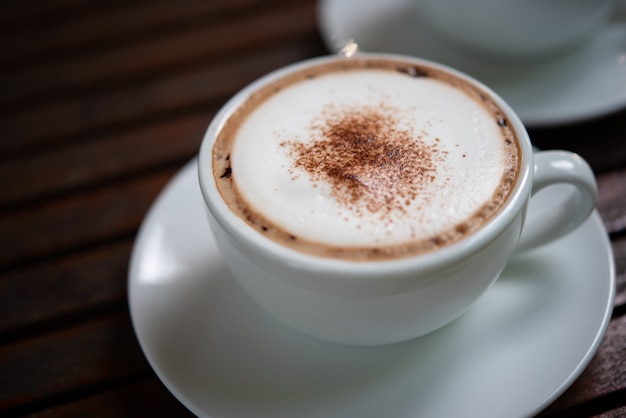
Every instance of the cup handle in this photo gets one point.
(545, 223)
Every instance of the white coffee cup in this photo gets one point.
(381, 302)
(516, 29)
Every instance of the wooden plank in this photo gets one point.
(68, 360)
(595, 140)
(25, 15)
(101, 26)
(148, 398)
(63, 288)
(72, 222)
(157, 53)
(611, 199)
(103, 159)
(615, 413)
(150, 98)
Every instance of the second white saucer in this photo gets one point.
(587, 83)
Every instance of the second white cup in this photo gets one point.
(516, 29)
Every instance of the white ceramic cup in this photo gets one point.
(380, 302)
(516, 29)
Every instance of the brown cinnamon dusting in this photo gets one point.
(371, 162)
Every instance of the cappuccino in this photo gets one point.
(366, 159)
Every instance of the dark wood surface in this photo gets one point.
(101, 102)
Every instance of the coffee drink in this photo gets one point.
(373, 199)
(367, 159)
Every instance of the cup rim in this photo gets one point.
(450, 255)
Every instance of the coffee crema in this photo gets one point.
(366, 159)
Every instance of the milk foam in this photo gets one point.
(464, 143)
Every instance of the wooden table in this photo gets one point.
(100, 104)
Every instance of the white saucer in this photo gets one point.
(514, 352)
(584, 84)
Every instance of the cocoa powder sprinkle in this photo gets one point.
(371, 162)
